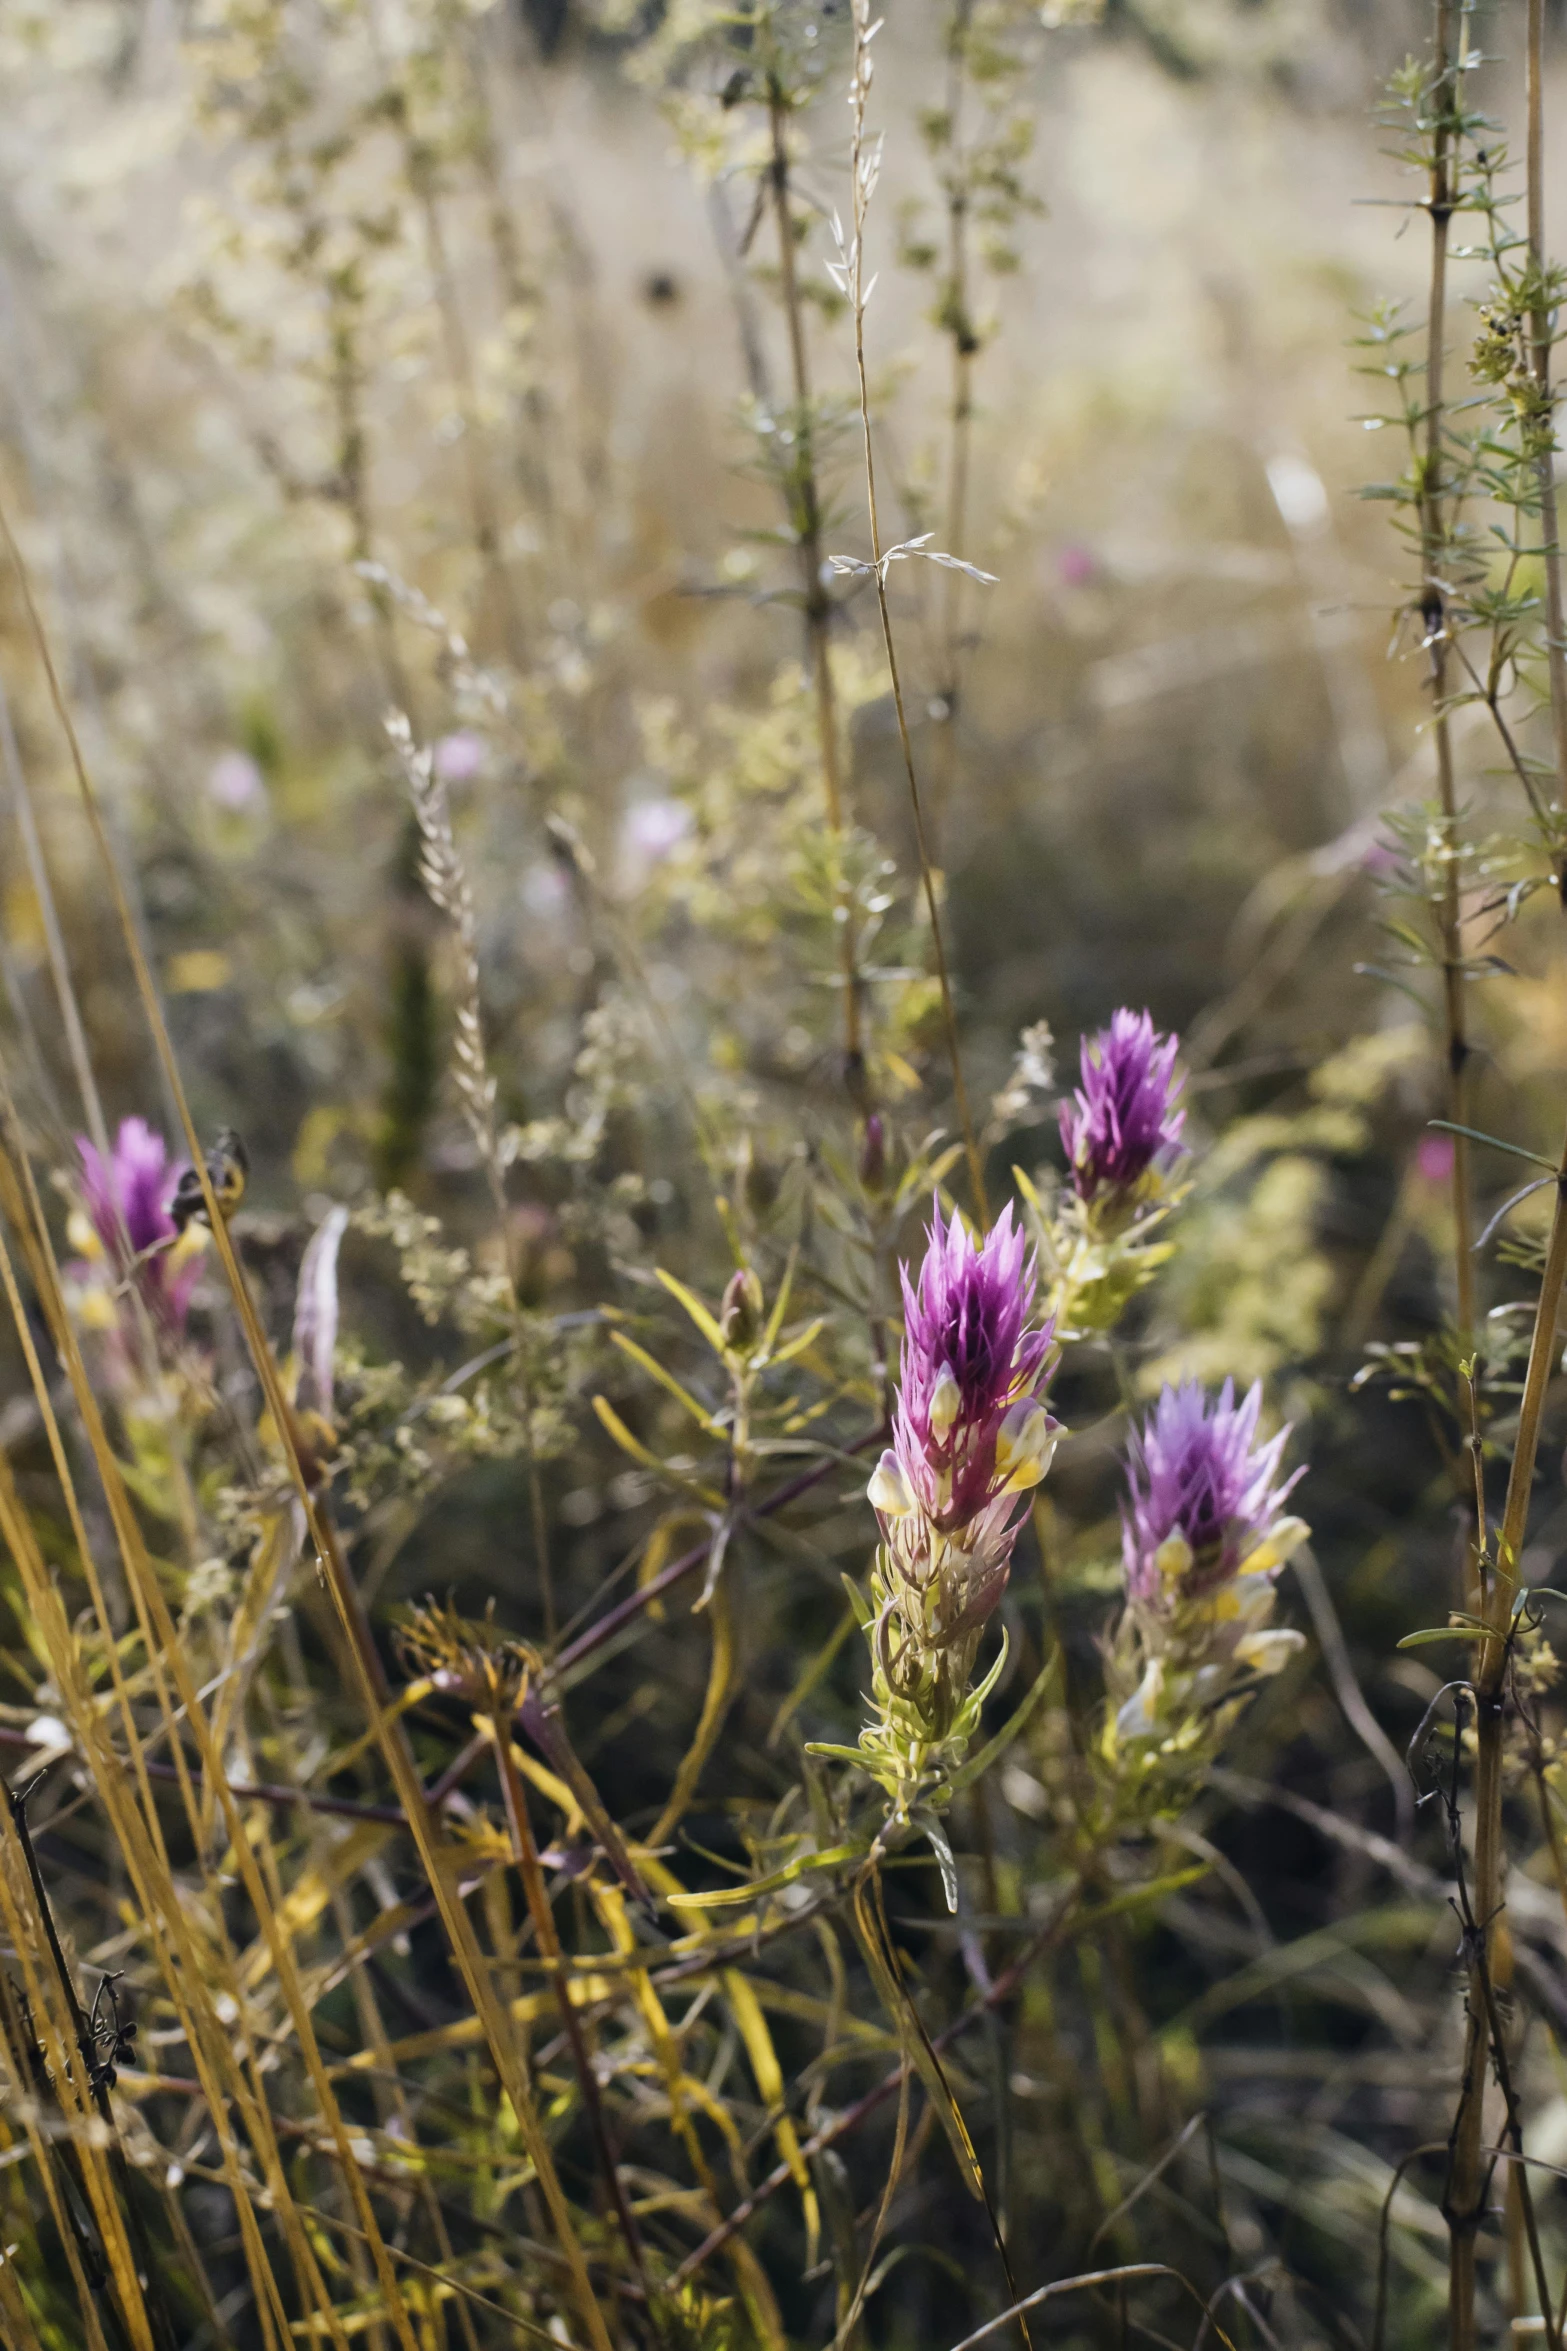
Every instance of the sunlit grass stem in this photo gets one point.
(963, 346)
(1434, 547)
(864, 164)
(391, 1735)
(805, 508)
(1502, 1584)
(1542, 325)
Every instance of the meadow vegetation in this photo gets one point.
(782, 1202)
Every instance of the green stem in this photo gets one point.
(1434, 613)
(862, 169)
(1540, 330)
(806, 518)
(1468, 2171)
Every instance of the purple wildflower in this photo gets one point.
(130, 1191)
(1434, 1158)
(235, 782)
(1124, 1121)
(1077, 566)
(127, 1207)
(459, 757)
(971, 1434)
(1204, 1496)
(652, 830)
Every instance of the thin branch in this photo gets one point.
(865, 164)
(1542, 327)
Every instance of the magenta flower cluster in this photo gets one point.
(1203, 1494)
(971, 1435)
(127, 1206)
(1123, 1120)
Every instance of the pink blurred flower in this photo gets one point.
(1434, 1159)
(235, 782)
(651, 828)
(544, 891)
(460, 757)
(127, 1210)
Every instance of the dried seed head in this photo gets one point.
(466, 1658)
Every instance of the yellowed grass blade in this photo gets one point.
(505, 2053)
(715, 1705)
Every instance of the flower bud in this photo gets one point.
(946, 1402)
(1025, 1444)
(1269, 1652)
(1246, 1599)
(1283, 1539)
(740, 1315)
(1173, 1559)
(1138, 1718)
(888, 1489)
(82, 1235)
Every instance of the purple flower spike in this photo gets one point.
(1124, 1120)
(971, 1436)
(130, 1190)
(126, 1205)
(1203, 1496)
(968, 1356)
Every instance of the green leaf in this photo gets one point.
(1408, 936)
(925, 1819)
(729, 1897)
(775, 1320)
(993, 1749)
(815, 1668)
(667, 1381)
(1447, 1127)
(981, 1692)
(697, 1311)
(1139, 1897)
(801, 1340)
(863, 1611)
(639, 1453)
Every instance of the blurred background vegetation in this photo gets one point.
(419, 354)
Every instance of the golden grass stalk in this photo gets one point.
(806, 514)
(434, 1854)
(1434, 550)
(864, 166)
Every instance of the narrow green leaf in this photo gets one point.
(1447, 1127)
(993, 1749)
(667, 1381)
(729, 1897)
(697, 1311)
